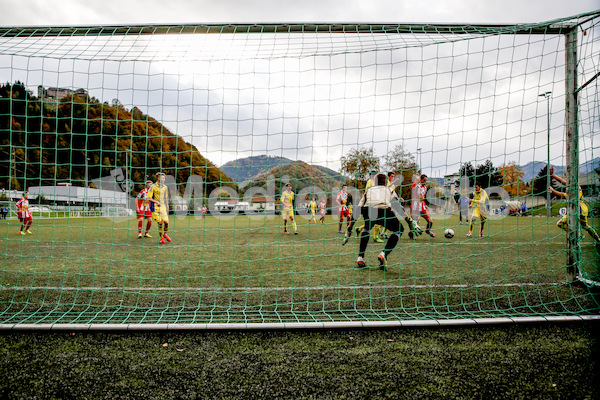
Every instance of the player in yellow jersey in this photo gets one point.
(311, 209)
(350, 210)
(479, 203)
(287, 208)
(583, 209)
(158, 194)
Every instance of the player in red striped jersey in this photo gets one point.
(142, 205)
(24, 214)
(419, 207)
(343, 210)
(322, 210)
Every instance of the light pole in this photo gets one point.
(419, 157)
(126, 164)
(85, 193)
(548, 205)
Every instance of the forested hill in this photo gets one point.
(42, 143)
(257, 168)
(300, 175)
(248, 168)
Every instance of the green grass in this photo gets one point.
(546, 361)
(241, 270)
(542, 211)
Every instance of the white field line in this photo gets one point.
(400, 246)
(285, 288)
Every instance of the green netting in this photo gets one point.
(231, 113)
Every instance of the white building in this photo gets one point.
(82, 198)
(260, 203)
(11, 195)
(452, 182)
(56, 93)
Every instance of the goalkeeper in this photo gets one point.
(413, 228)
(376, 228)
(583, 209)
(380, 206)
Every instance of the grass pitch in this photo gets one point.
(546, 361)
(244, 270)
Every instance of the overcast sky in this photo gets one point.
(79, 12)
(291, 105)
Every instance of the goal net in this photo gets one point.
(217, 174)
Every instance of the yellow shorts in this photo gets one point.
(287, 213)
(583, 210)
(582, 218)
(160, 216)
(478, 214)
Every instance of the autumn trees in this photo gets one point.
(358, 162)
(80, 139)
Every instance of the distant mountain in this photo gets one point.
(256, 168)
(531, 169)
(246, 169)
(589, 166)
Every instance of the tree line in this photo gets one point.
(79, 139)
(358, 163)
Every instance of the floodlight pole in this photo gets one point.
(85, 190)
(127, 152)
(548, 204)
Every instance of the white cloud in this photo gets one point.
(454, 101)
(77, 12)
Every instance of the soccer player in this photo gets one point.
(376, 208)
(351, 221)
(392, 185)
(311, 209)
(419, 208)
(479, 203)
(343, 211)
(24, 214)
(350, 208)
(370, 184)
(287, 202)
(322, 210)
(414, 230)
(142, 206)
(463, 208)
(204, 211)
(523, 209)
(158, 194)
(583, 209)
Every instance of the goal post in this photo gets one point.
(214, 122)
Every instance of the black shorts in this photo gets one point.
(381, 216)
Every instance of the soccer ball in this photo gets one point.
(449, 233)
